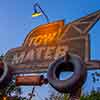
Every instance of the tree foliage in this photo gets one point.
(94, 95)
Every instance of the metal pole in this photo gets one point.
(32, 93)
(37, 5)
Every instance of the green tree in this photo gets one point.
(94, 95)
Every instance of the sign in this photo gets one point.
(31, 80)
(48, 42)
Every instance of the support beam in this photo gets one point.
(93, 64)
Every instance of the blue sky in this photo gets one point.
(16, 20)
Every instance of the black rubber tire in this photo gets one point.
(6, 77)
(74, 82)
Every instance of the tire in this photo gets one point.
(74, 82)
(6, 76)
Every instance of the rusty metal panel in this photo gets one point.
(30, 80)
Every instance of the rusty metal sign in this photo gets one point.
(36, 80)
(48, 42)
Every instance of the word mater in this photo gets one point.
(39, 54)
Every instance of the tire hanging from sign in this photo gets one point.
(5, 74)
(74, 82)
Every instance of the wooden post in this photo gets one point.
(75, 95)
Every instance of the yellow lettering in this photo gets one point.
(38, 40)
(48, 38)
(44, 39)
(31, 41)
